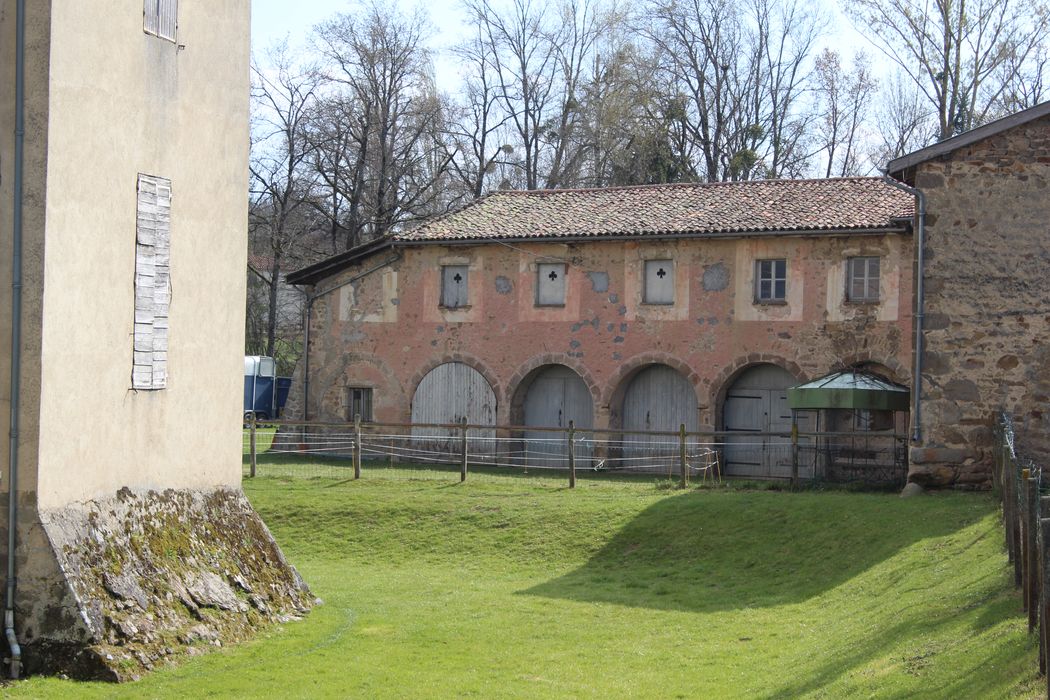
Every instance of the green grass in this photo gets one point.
(512, 587)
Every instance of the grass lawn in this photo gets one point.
(517, 587)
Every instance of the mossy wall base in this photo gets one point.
(139, 578)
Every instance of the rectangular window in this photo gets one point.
(770, 281)
(550, 284)
(454, 286)
(159, 18)
(358, 402)
(659, 282)
(862, 279)
(152, 283)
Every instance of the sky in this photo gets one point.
(273, 20)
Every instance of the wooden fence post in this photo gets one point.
(1007, 496)
(463, 452)
(794, 449)
(357, 445)
(1031, 554)
(682, 475)
(251, 446)
(1044, 603)
(572, 454)
(1018, 504)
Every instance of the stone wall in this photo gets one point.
(387, 329)
(111, 588)
(987, 324)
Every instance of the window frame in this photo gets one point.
(867, 277)
(366, 400)
(447, 270)
(646, 264)
(160, 18)
(542, 271)
(773, 279)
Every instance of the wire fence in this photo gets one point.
(343, 449)
(1021, 486)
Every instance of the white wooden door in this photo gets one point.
(558, 395)
(659, 398)
(756, 404)
(447, 394)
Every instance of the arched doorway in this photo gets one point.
(756, 403)
(658, 398)
(447, 394)
(555, 395)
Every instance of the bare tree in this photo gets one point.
(282, 95)
(844, 97)
(377, 132)
(904, 120)
(955, 51)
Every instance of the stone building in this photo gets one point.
(121, 333)
(640, 308)
(986, 328)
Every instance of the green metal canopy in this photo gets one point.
(850, 389)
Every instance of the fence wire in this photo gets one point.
(329, 450)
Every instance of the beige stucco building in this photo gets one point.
(133, 220)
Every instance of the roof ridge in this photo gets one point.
(683, 185)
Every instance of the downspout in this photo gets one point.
(310, 298)
(16, 340)
(920, 304)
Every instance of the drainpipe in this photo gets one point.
(920, 304)
(310, 299)
(16, 340)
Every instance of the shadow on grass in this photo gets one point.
(712, 551)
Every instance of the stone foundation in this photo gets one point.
(140, 578)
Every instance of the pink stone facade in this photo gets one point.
(388, 328)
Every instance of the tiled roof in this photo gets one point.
(760, 206)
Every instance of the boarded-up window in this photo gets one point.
(159, 18)
(454, 286)
(358, 402)
(863, 279)
(550, 284)
(152, 283)
(659, 282)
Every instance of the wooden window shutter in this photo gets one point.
(152, 283)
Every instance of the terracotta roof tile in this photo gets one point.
(682, 209)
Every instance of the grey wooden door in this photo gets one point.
(555, 397)
(659, 398)
(447, 394)
(756, 404)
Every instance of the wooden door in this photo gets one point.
(659, 398)
(757, 404)
(555, 397)
(447, 394)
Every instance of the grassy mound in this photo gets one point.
(510, 587)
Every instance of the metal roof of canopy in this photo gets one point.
(852, 390)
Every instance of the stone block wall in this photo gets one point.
(987, 323)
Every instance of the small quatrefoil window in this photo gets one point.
(661, 273)
(553, 275)
(458, 278)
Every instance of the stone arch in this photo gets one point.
(331, 379)
(518, 385)
(467, 359)
(887, 367)
(617, 384)
(720, 385)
